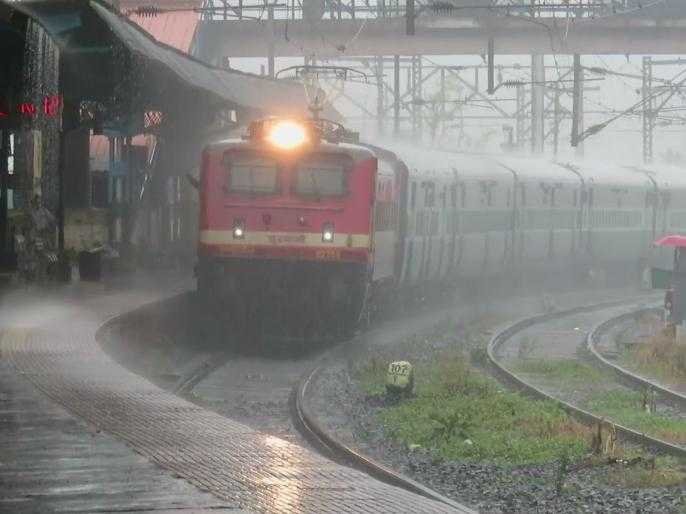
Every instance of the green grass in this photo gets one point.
(667, 472)
(568, 370)
(660, 370)
(624, 408)
(371, 377)
(458, 413)
(660, 357)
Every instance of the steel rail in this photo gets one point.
(632, 379)
(504, 335)
(310, 427)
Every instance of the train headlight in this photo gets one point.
(287, 135)
(327, 233)
(238, 229)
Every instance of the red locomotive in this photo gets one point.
(295, 226)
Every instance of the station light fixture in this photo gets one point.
(327, 233)
(238, 228)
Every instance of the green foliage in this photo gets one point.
(372, 376)
(665, 472)
(71, 256)
(560, 369)
(648, 478)
(625, 408)
(459, 413)
(478, 356)
(526, 347)
(661, 357)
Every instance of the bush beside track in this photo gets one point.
(585, 416)
(631, 378)
(308, 425)
(460, 414)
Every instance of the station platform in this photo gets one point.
(80, 433)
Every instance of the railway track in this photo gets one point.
(309, 427)
(632, 379)
(325, 441)
(502, 337)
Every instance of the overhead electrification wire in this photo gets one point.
(594, 129)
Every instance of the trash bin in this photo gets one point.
(90, 265)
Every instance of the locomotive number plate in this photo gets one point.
(327, 254)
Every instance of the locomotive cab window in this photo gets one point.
(250, 173)
(322, 175)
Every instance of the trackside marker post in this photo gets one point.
(400, 378)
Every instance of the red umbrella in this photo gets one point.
(673, 240)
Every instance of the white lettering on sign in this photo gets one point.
(400, 376)
(285, 239)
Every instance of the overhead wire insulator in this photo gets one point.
(441, 7)
(146, 11)
(597, 70)
(512, 83)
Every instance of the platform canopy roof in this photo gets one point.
(87, 28)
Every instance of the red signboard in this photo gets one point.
(49, 107)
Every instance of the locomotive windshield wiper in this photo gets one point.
(252, 183)
(315, 187)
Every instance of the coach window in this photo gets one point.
(251, 173)
(429, 194)
(650, 199)
(413, 194)
(323, 175)
(453, 195)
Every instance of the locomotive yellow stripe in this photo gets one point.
(225, 237)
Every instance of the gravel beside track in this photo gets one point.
(603, 345)
(347, 412)
(243, 467)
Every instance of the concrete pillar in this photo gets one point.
(396, 94)
(578, 106)
(409, 17)
(491, 66)
(4, 152)
(60, 201)
(380, 107)
(521, 118)
(417, 97)
(537, 103)
(647, 115)
(270, 56)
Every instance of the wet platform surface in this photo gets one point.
(51, 461)
(82, 434)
